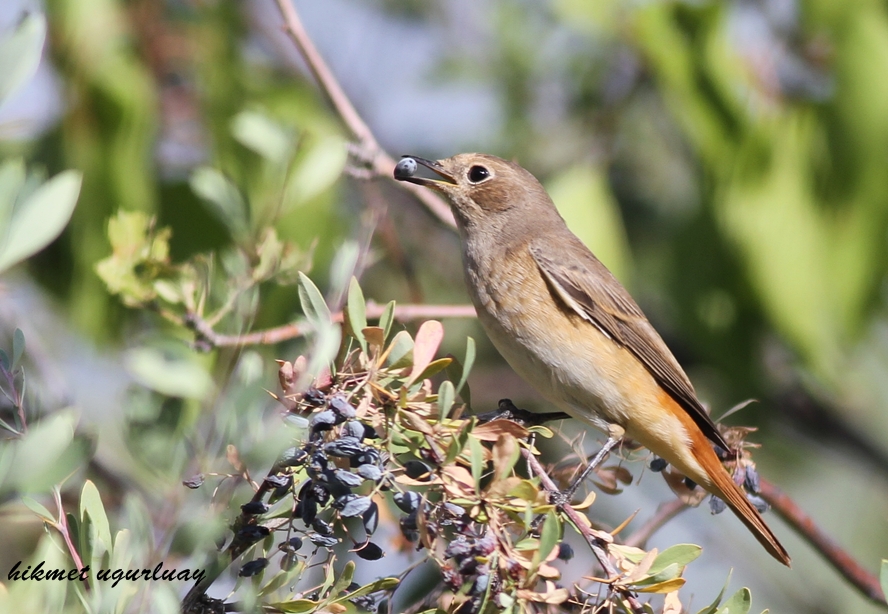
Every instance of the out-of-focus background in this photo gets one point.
(727, 160)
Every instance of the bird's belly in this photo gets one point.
(569, 361)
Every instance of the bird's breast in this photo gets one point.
(567, 359)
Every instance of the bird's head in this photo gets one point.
(481, 188)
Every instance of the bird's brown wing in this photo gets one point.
(588, 288)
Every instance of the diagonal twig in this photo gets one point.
(596, 544)
(380, 162)
(838, 558)
(270, 336)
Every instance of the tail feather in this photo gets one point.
(736, 499)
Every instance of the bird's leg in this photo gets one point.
(614, 436)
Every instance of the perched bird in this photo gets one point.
(568, 327)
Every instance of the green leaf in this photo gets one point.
(223, 200)
(12, 180)
(91, 505)
(313, 304)
(20, 53)
(296, 606)
(739, 603)
(550, 535)
(173, 376)
(446, 395)
(262, 135)
(44, 514)
(401, 352)
(477, 451)
(316, 169)
(665, 574)
(342, 269)
(46, 454)
(37, 221)
(283, 578)
(679, 554)
(382, 584)
(344, 579)
(18, 347)
(357, 312)
(386, 319)
(433, 368)
(459, 440)
(713, 607)
(883, 577)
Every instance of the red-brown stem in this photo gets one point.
(841, 561)
(403, 313)
(665, 512)
(62, 527)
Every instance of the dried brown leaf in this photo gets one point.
(491, 431)
(425, 345)
(505, 454)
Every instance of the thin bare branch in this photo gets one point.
(271, 336)
(381, 163)
(596, 544)
(838, 558)
(665, 512)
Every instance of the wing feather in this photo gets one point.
(589, 289)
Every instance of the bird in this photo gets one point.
(568, 327)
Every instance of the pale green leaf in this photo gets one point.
(401, 352)
(386, 319)
(46, 454)
(223, 200)
(313, 304)
(344, 579)
(739, 603)
(37, 221)
(549, 537)
(91, 505)
(263, 135)
(296, 606)
(357, 312)
(477, 457)
(44, 514)
(170, 375)
(18, 347)
(679, 554)
(713, 607)
(12, 180)
(467, 365)
(446, 395)
(317, 168)
(20, 53)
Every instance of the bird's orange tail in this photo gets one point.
(736, 499)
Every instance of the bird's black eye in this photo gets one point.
(477, 174)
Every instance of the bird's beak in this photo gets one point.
(406, 169)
